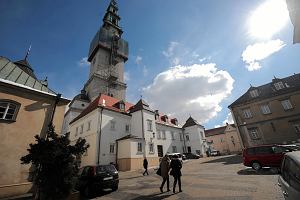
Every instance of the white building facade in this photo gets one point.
(119, 132)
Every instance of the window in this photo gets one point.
(253, 133)
(149, 125)
(286, 104)
(202, 134)
(297, 127)
(279, 85)
(77, 128)
(180, 135)
(140, 147)
(127, 128)
(151, 148)
(158, 134)
(254, 93)
(172, 135)
(163, 134)
(81, 129)
(264, 150)
(247, 113)
(112, 148)
(265, 109)
(174, 149)
(187, 137)
(88, 126)
(112, 125)
(8, 110)
(122, 106)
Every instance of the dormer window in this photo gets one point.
(279, 85)
(122, 106)
(174, 121)
(164, 118)
(254, 93)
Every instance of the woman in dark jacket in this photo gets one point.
(145, 164)
(176, 172)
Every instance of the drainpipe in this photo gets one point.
(143, 133)
(184, 145)
(99, 132)
(117, 166)
(50, 125)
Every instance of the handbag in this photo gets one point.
(158, 172)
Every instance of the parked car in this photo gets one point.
(191, 156)
(180, 156)
(215, 153)
(289, 179)
(265, 156)
(92, 179)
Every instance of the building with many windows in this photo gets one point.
(224, 139)
(269, 113)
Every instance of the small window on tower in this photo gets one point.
(94, 61)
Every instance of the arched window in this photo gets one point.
(9, 109)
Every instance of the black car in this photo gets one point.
(191, 156)
(93, 179)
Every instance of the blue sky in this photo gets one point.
(185, 57)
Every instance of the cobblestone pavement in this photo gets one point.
(214, 178)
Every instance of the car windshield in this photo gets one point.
(105, 168)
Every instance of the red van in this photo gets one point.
(266, 155)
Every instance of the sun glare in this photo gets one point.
(268, 19)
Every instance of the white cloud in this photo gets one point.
(197, 90)
(83, 62)
(145, 70)
(138, 60)
(170, 51)
(228, 119)
(259, 51)
(126, 76)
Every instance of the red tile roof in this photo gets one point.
(106, 102)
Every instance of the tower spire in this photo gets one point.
(111, 17)
(27, 53)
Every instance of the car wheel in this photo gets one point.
(256, 166)
(115, 188)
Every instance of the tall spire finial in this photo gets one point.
(28, 51)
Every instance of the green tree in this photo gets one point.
(55, 163)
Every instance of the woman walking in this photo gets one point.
(165, 167)
(145, 165)
(176, 172)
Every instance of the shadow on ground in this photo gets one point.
(228, 160)
(263, 171)
(153, 196)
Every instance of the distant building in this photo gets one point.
(224, 139)
(269, 113)
(26, 107)
(120, 132)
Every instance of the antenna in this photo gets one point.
(28, 51)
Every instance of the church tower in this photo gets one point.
(107, 55)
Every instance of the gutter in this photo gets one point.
(99, 132)
(143, 132)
